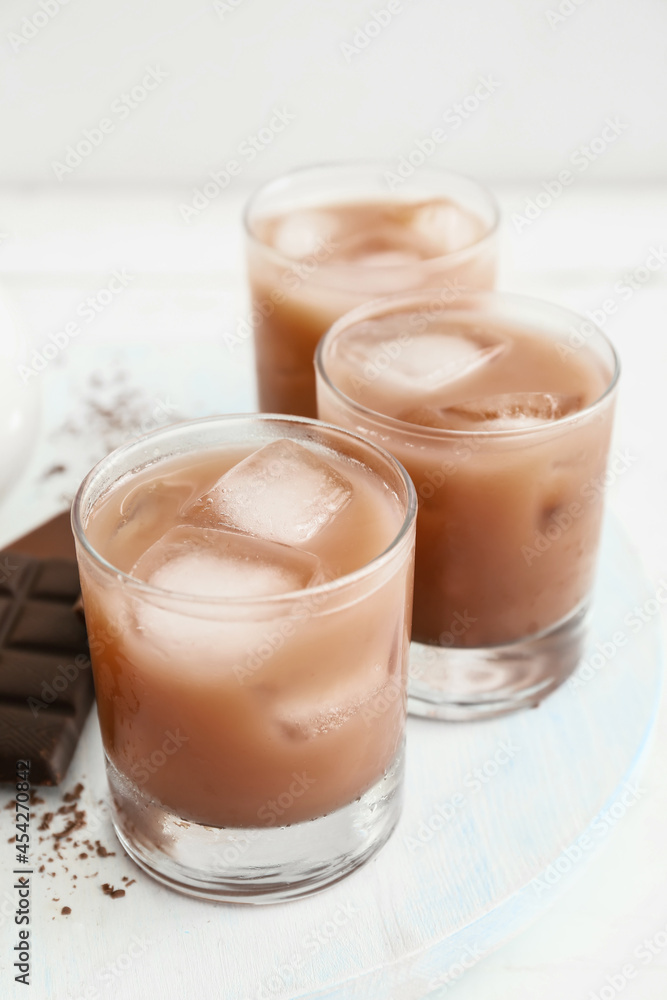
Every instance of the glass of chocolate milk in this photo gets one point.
(247, 584)
(500, 407)
(325, 239)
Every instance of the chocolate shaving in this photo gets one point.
(46, 821)
(110, 890)
(74, 824)
(74, 795)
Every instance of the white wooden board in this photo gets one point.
(499, 816)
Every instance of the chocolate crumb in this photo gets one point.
(74, 824)
(66, 911)
(42, 868)
(75, 794)
(10, 840)
(55, 470)
(110, 890)
(102, 851)
(83, 855)
(46, 821)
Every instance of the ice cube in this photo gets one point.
(445, 225)
(283, 492)
(301, 233)
(506, 411)
(144, 511)
(213, 562)
(425, 416)
(302, 713)
(385, 246)
(413, 363)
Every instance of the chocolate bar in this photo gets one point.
(46, 685)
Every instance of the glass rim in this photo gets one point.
(380, 306)
(340, 583)
(453, 257)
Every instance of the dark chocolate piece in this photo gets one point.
(46, 685)
(52, 540)
(48, 741)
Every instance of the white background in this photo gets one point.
(555, 85)
(227, 70)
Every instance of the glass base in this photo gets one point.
(258, 864)
(460, 685)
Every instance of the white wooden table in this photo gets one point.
(161, 340)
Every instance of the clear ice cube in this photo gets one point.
(387, 245)
(299, 234)
(144, 511)
(283, 492)
(445, 225)
(301, 713)
(506, 411)
(213, 562)
(411, 363)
